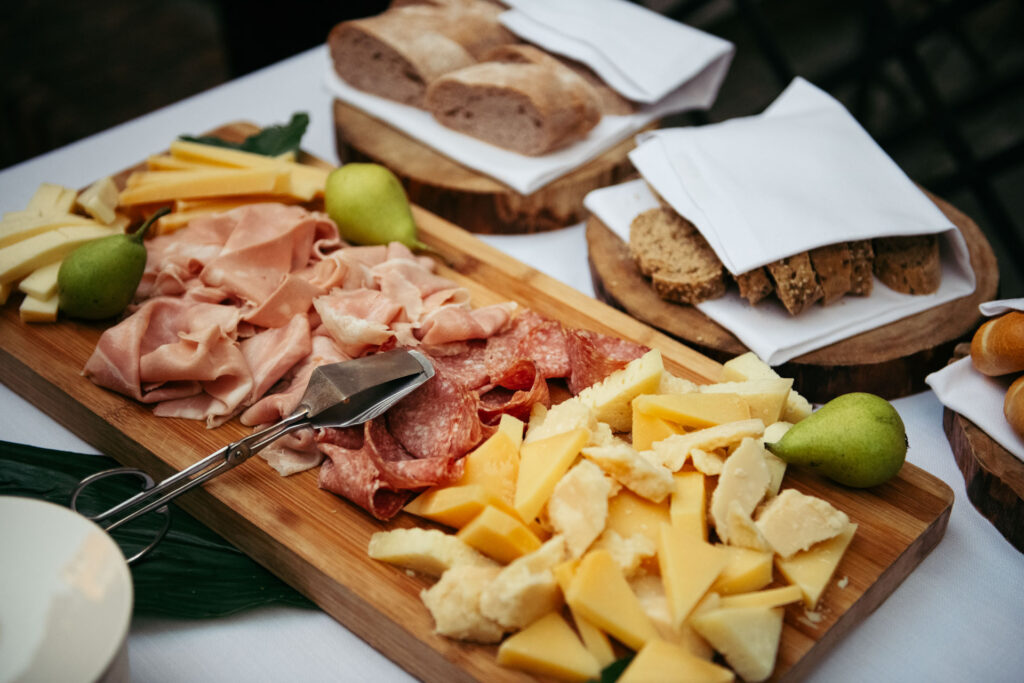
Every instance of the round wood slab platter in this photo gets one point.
(465, 197)
(890, 361)
(993, 475)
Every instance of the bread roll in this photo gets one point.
(1013, 406)
(998, 346)
(532, 109)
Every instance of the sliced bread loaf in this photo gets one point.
(795, 282)
(754, 285)
(682, 266)
(862, 257)
(909, 264)
(833, 264)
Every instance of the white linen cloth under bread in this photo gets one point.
(641, 54)
(979, 397)
(526, 174)
(767, 329)
(803, 174)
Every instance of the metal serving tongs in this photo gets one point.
(337, 395)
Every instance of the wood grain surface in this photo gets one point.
(994, 476)
(317, 541)
(891, 361)
(465, 197)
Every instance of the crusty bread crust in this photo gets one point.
(833, 264)
(795, 282)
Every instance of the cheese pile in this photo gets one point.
(34, 241)
(607, 505)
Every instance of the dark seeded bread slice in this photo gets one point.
(528, 108)
(833, 264)
(795, 282)
(909, 264)
(862, 257)
(677, 258)
(754, 285)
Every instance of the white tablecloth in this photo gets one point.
(958, 617)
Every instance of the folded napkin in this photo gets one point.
(697, 89)
(802, 174)
(767, 329)
(641, 54)
(978, 397)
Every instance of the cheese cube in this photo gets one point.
(748, 638)
(454, 603)
(629, 514)
(650, 591)
(600, 594)
(564, 417)
(674, 451)
(494, 465)
(99, 200)
(42, 283)
(748, 366)
(427, 551)
(745, 570)
(772, 597)
(766, 398)
(455, 506)
(694, 410)
(499, 535)
(33, 310)
(812, 569)
(541, 464)
(794, 521)
(610, 398)
(663, 662)
(526, 589)
(549, 647)
(689, 504)
(21, 258)
(51, 198)
(745, 478)
(634, 470)
(578, 507)
(688, 568)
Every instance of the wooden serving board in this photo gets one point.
(317, 541)
(993, 475)
(890, 361)
(465, 197)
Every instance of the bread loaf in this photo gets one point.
(909, 264)
(998, 346)
(681, 264)
(833, 264)
(528, 108)
(795, 282)
(1013, 406)
(754, 285)
(862, 276)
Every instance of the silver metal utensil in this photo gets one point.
(337, 395)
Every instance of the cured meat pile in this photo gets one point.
(237, 309)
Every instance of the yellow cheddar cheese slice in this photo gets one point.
(599, 592)
(629, 514)
(748, 638)
(17, 229)
(494, 465)
(648, 429)
(689, 566)
(99, 200)
(549, 647)
(499, 535)
(662, 662)
(455, 506)
(33, 310)
(161, 186)
(694, 410)
(771, 597)
(51, 198)
(594, 639)
(21, 258)
(307, 181)
(541, 464)
(42, 283)
(745, 570)
(812, 569)
(688, 507)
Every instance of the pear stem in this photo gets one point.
(139, 234)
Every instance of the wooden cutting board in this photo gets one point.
(890, 361)
(465, 197)
(317, 542)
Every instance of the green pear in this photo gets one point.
(369, 206)
(98, 279)
(856, 439)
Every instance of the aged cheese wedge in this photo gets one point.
(499, 535)
(17, 229)
(766, 398)
(650, 591)
(594, 639)
(771, 597)
(745, 478)
(33, 310)
(745, 570)
(748, 638)
(794, 521)
(748, 366)
(599, 592)
(42, 283)
(689, 504)
(568, 415)
(494, 465)
(629, 552)
(541, 464)
(629, 514)
(427, 551)
(694, 410)
(162, 186)
(636, 471)
(99, 200)
(777, 465)
(578, 507)
(549, 647)
(688, 568)
(454, 603)
(526, 589)
(611, 397)
(21, 258)
(456, 506)
(812, 569)
(648, 429)
(674, 451)
(664, 662)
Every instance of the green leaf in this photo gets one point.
(611, 673)
(271, 141)
(193, 573)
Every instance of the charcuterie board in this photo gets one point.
(317, 541)
(465, 197)
(891, 361)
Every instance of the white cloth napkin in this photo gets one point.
(525, 174)
(641, 54)
(978, 397)
(767, 329)
(802, 174)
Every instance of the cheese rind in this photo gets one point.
(611, 397)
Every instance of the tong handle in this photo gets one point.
(156, 496)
